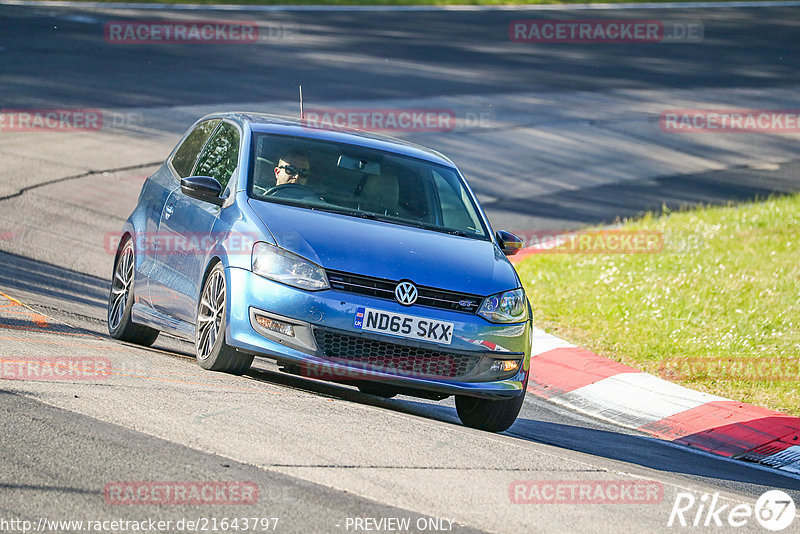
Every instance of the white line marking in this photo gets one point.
(634, 399)
(544, 342)
(81, 18)
(790, 457)
(791, 468)
(526, 7)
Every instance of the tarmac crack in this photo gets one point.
(25, 189)
(437, 468)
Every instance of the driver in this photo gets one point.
(292, 168)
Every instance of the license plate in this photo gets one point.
(398, 324)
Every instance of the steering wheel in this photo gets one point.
(293, 191)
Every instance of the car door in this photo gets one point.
(184, 234)
(179, 165)
(152, 199)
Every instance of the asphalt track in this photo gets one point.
(571, 138)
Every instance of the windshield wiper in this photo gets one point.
(393, 220)
(417, 224)
(459, 233)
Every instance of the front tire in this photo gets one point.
(120, 301)
(210, 324)
(487, 414)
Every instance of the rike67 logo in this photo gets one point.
(774, 510)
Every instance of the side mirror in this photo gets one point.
(509, 243)
(203, 188)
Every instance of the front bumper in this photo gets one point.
(332, 311)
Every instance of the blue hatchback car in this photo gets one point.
(342, 255)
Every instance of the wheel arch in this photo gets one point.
(123, 238)
(212, 262)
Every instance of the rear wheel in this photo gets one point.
(487, 414)
(211, 350)
(120, 301)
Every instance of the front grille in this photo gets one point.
(384, 289)
(394, 358)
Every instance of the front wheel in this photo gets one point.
(120, 301)
(210, 348)
(487, 414)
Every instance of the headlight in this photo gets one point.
(283, 266)
(506, 307)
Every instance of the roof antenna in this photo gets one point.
(302, 114)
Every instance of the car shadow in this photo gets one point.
(52, 281)
(635, 449)
(649, 452)
(55, 284)
(80, 299)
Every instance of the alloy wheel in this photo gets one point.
(121, 287)
(210, 314)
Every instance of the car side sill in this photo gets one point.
(142, 314)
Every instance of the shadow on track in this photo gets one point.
(391, 54)
(640, 450)
(649, 452)
(71, 295)
(58, 285)
(51, 281)
(606, 203)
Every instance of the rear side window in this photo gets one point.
(186, 155)
(221, 155)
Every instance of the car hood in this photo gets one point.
(391, 251)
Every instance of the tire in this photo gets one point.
(210, 324)
(120, 301)
(487, 414)
(376, 390)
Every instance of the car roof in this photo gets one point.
(276, 124)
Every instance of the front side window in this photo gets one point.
(457, 210)
(221, 155)
(362, 182)
(186, 155)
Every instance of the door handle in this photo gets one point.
(168, 211)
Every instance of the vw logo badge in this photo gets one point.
(406, 293)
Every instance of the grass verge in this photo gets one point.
(718, 309)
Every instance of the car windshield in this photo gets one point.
(362, 182)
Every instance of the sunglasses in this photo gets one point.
(295, 171)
